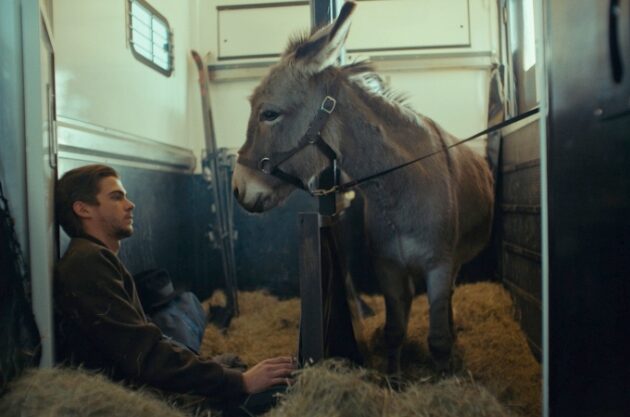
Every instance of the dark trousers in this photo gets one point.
(256, 404)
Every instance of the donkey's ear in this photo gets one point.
(322, 49)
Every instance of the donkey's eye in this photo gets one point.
(269, 116)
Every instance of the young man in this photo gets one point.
(101, 322)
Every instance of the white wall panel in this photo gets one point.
(259, 31)
(405, 24)
(101, 83)
(230, 106)
(430, 27)
(457, 99)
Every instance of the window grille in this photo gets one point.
(150, 37)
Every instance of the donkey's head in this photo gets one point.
(283, 107)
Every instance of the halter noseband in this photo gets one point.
(269, 165)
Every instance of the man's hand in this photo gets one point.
(268, 373)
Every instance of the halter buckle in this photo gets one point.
(323, 192)
(265, 165)
(328, 104)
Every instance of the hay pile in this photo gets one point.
(332, 389)
(61, 392)
(490, 350)
(496, 375)
(266, 327)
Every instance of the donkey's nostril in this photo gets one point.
(236, 192)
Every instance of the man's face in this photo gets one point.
(114, 212)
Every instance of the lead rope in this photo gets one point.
(351, 184)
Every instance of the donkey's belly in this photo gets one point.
(406, 237)
(412, 254)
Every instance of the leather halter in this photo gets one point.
(270, 164)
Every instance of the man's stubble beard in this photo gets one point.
(121, 233)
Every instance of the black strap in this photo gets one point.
(291, 179)
(350, 184)
(326, 150)
(270, 164)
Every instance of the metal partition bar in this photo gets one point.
(311, 344)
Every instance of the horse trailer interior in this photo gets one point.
(90, 81)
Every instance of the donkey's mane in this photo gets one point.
(363, 75)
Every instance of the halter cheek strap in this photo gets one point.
(270, 164)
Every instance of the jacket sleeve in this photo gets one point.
(93, 295)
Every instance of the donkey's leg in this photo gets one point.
(439, 291)
(398, 291)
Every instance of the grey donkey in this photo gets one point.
(423, 221)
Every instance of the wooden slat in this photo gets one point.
(522, 230)
(523, 273)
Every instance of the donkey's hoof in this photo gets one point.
(442, 361)
(443, 367)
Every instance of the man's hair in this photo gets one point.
(79, 184)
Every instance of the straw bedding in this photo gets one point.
(492, 357)
(495, 373)
(60, 392)
(333, 389)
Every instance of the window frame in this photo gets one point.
(140, 57)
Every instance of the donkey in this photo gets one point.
(423, 221)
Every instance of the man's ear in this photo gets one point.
(82, 209)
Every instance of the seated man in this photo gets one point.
(101, 322)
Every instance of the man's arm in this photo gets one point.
(93, 292)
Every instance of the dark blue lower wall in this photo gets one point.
(267, 247)
(171, 222)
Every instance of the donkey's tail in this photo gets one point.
(496, 114)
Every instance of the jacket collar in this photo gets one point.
(91, 239)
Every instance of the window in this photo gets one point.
(150, 37)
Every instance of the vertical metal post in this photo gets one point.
(322, 12)
(312, 296)
(312, 288)
(326, 328)
(311, 347)
(40, 176)
(541, 86)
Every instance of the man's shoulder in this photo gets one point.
(80, 247)
(85, 254)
